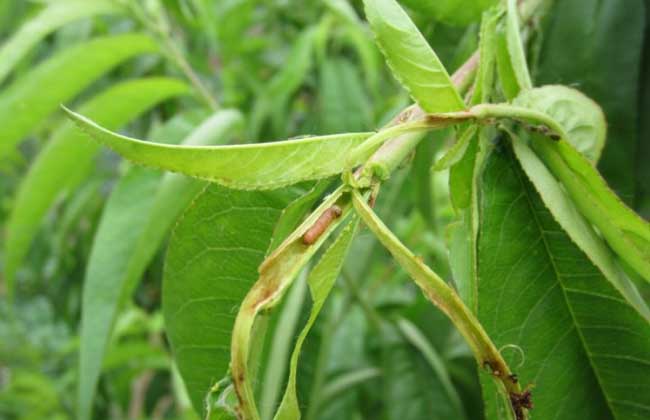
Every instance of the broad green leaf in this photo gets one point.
(581, 118)
(622, 228)
(26, 103)
(586, 350)
(55, 15)
(68, 157)
(512, 58)
(138, 215)
(250, 166)
(411, 59)
(581, 48)
(455, 12)
(574, 224)
(211, 264)
(320, 281)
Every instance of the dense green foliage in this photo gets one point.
(375, 209)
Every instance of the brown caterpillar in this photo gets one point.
(321, 225)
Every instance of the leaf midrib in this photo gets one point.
(558, 277)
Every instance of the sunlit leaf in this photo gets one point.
(138, 215)
(68, 157)
(55, 15)
(411, 59)
(250, 166)
(26, 102)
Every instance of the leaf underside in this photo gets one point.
(251, 166)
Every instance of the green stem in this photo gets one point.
(444, 297)
(172, 51)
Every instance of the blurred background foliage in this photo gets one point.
(291, 67)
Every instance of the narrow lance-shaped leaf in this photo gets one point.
(274, 99)
(68, 157)
(138, 215)
(320, 281)
(581, 119)
(513, 69)
(411, 59)
(250, 166)
(276, 275)
(577, 228)
(624, 230)
(26, 103)
(586, 350)
(212, 262)
(55, 15)
(416, 384)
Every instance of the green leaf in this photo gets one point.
(445, 298)
(320, 280)
(581, 118)
(342, 101)
(250, 166)
(581, 48)
(455, 12)
(574, 224)
(411, 59)
(138, 215)
(26, 103)
(275, 275)
(585, 349)
(412, 389)
(273, 100)
(511, 55)
(282, 334)
(622, 228)
(461, 174)
(457, 151)
(55, 15)
(68, 157)
(211, 264)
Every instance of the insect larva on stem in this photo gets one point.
(320, 225)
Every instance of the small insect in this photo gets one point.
(321, 225)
